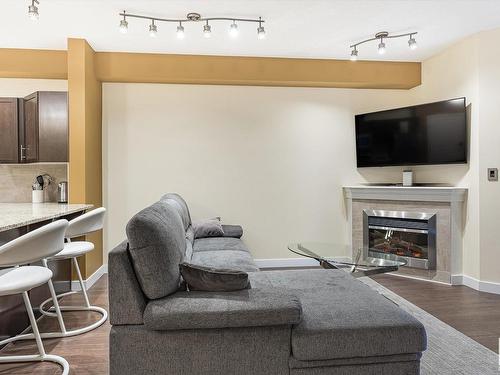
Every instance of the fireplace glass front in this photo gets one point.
(411, 235)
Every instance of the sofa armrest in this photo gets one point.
(243, 308)
(235, 231)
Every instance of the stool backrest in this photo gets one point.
(41, 243)
(87, 223)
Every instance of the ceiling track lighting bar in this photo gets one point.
(192, 17)
(412, 43)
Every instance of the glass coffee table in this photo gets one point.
(337, 256)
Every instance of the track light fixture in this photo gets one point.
(124, 24)
(33, 10)
(354, 54)
(261, 32)
(412, 43)
(180, 31)
(207, 31)
(191, 17)
(233, 30)
(153, 30)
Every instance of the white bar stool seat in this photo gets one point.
(20, 279)
(73, 249)
(30, 248)
(84, 224)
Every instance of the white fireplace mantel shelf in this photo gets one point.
(403, 193)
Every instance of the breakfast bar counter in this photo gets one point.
(15, 215)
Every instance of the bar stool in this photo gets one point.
(30, 248)
(87, 223)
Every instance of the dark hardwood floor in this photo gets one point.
(86, 354)
(474, 313)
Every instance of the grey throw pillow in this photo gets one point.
(212, 279)
(208, 228)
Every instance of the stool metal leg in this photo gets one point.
(58, 313)
(87, 307)
(42, 356)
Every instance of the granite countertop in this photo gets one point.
(15, 215)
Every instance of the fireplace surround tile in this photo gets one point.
(446, 203)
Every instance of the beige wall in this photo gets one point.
(20, 87)
(488, 55)
(271, 159)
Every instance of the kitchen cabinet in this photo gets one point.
(44, 135)
(34, 128)
(9, 130)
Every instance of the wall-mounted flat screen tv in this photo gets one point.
(434, 133)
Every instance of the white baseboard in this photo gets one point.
(286, 262)
(471, 282)
(75, 284)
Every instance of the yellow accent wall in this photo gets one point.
(85, 139)
(31, 63)
(255, 71)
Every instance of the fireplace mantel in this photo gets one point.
(401, 193)
(446, 202)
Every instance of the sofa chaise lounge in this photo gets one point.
(299, 322)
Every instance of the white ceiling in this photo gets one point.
(295, 28)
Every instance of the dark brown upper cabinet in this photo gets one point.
(45, 133)
(9, 130)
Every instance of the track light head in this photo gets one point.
(153, 29)
(233, 30)
(381, 47)
(123, 26)
(354, 54)
(412, 43)
(180, 31)
(261, 33)
(207, 31)
(33, 11)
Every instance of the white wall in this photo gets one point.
(272, 159)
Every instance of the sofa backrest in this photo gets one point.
(176, 201)
(157, 244)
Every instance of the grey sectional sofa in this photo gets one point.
(309, 322)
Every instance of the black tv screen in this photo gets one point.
(434, 133)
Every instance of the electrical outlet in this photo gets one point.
(492, 174)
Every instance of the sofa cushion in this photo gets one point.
(236, 260)
(208, 228)
(157, 244)
(218, 244)
(213, 279)
(243, 308)
(342, 317)
(235, 231)
(176, 201)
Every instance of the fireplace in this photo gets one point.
(410, 235)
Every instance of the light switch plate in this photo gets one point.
(492, 174)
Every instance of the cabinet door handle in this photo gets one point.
(23, 156)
